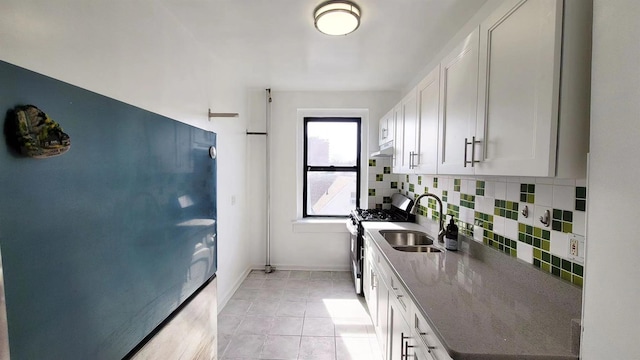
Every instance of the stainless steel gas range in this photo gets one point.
(399, 212)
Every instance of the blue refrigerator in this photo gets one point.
(102, 243)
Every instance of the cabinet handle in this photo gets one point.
(473, 151)
(404, 349)
(412, 162)
(466, 142)
(384, 133)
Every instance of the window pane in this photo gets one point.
(332, 143)
(331, 193)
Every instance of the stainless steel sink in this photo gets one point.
(406, 238)
(422, 249)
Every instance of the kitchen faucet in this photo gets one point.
(414, 210)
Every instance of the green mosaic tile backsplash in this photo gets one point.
(382, 184)
(489, 210)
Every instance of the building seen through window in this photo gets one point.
(331, 166)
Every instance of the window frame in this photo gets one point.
(306, 168)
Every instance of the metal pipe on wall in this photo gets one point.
(267, 266)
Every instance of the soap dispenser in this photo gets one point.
(451, 236)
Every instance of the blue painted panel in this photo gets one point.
(102, 243)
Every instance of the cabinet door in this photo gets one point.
(420, 353)
(458, 99)
(520, 46)
(410, 119)
(428, 97)
(399, 333)
(382, 328)
(386, 129)
(398, 141)
(367, 283)
(426, 339)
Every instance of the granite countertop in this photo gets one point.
(483, 304)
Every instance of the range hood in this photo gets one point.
(383, 152)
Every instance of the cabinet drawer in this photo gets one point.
(397, 290)
(426, 339)
(420, 353)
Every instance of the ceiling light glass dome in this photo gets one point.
(337, 17)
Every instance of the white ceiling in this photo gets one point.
(273, 43)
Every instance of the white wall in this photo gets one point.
(138, 53)
(611, 316)
(293, 244)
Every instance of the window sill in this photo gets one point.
(320, 225)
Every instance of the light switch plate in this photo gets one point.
(576, 248)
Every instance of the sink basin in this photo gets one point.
(406, 238)
(422, 249)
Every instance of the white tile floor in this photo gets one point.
(296, 315)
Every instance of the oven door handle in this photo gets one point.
(353, 229)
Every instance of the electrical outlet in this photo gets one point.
(576, 248)
(573, 247)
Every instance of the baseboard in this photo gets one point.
(303, 267)
(222, 302)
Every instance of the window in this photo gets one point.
(331, 166)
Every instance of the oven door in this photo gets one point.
(355, 240)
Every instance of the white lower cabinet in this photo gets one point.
(376, 294)
(399, 332)
(401, 329)
(426, 341)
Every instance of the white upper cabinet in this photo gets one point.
(398, 139)
(518, 88)
(386, 130)
(458, 107)
(513, 97)
(428, 93)
(410, 120)
(406, 117)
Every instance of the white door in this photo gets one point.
(428, 93)
(458, 99)
(520, 46)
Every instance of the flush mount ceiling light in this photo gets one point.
(337, 17)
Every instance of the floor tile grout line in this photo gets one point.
(337, 283)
